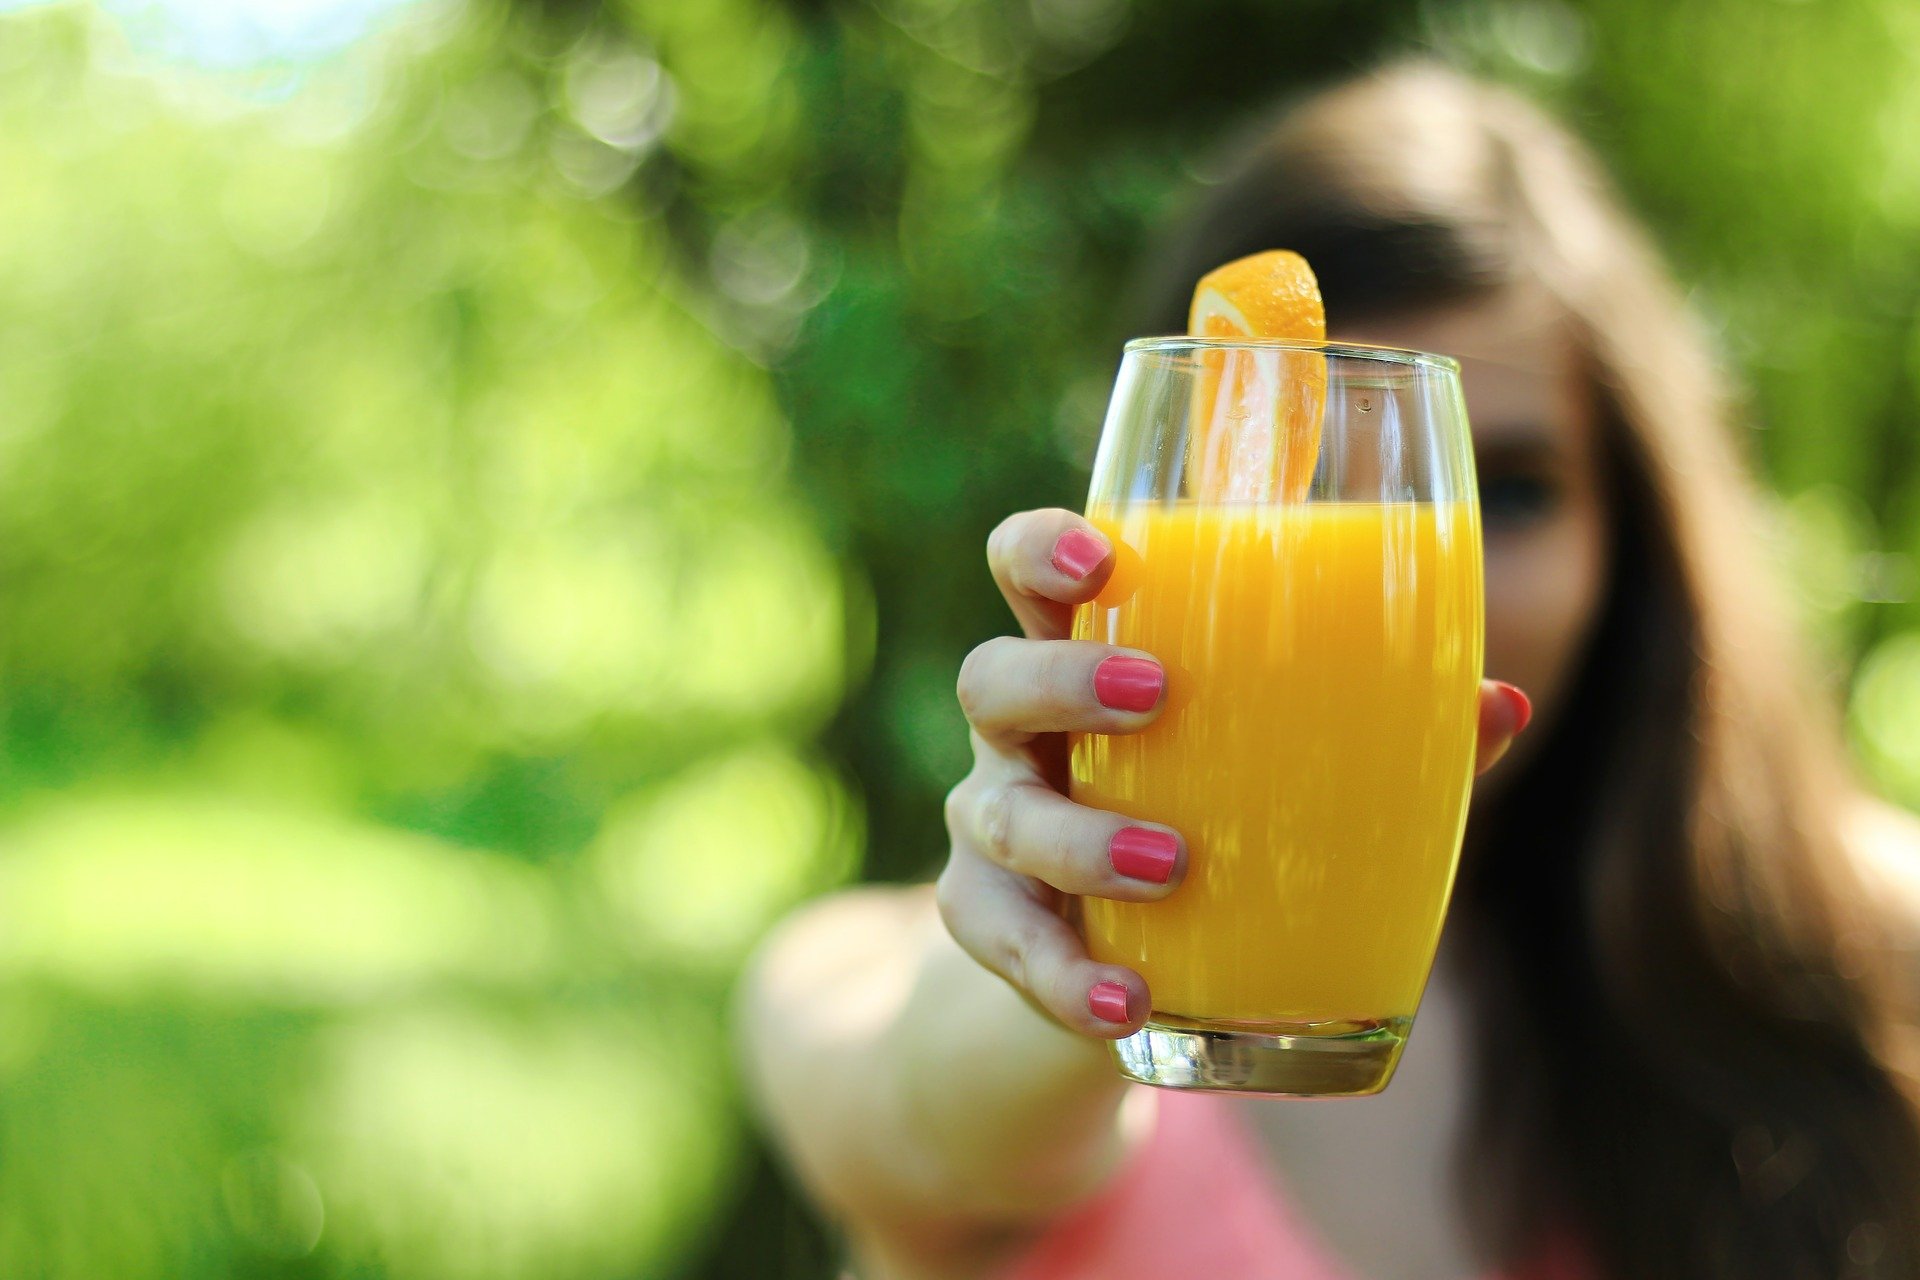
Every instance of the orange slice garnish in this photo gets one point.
(1256, 414)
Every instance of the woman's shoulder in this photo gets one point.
(1883, 841)
(1883, 844)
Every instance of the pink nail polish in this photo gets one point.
(1108, 1002)
(1521, 704)
(1128, 684)
(1078, 553)
(1144, 854)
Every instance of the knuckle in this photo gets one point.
(955, 808)
(972, 681)
(1017, 951)
(967, 687)
(1064, 840)
(1058, 675)
(995, 822)
(976, 673)
(949, 897)
(1005, 540)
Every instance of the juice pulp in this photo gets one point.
(1316, 750)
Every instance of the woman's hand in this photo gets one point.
(1018, 843)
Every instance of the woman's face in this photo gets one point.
(1535, 438)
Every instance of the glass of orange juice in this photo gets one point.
(1315, 597)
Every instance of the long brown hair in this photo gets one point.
(1685, 1026)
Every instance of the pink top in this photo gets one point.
(1199, 1201)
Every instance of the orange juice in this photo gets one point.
(1316, 751)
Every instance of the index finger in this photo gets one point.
(1046, 562)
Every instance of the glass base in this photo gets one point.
(1312, 1060)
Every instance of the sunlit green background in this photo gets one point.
(490, 508)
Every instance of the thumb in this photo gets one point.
(1504, 712)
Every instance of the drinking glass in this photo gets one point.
(1317, 607)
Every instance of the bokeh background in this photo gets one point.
(491, 496)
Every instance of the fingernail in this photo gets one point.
(1521, 704)
(1078, 553)
(1129, 684)
(1108, 1002)
(1144, 854)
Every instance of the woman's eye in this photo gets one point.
(1514, 499)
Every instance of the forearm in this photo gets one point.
(1021, 1115)
(914, 1092)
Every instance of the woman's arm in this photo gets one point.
(931, 1060)
(922, 1102)
(1883, 842)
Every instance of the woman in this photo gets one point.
(1664, 1037)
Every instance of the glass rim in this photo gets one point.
(1386, 355)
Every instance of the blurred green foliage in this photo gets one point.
(413, 645)
(489, 517)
